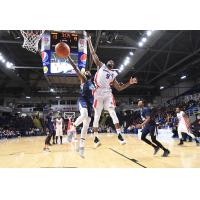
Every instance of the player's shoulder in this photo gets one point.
(182, 112)
(146, 109)
(103, 66)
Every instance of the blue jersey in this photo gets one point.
(86, 90)
(86, 97)
(146, 112)
(50, 122)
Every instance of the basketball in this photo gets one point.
(62, 50)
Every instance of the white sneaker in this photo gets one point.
(97, 142)
(121, 139)
(81, 152)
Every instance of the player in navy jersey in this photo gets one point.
(85, 103)
(50, 131)
(149, 127)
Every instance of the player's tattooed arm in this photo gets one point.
(77, 70)
(93, 53)
(120, 87)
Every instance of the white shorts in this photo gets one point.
(183, 129)
(103, 99)
(59, 132)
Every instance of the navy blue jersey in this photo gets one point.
(50, 122)
(146, 112)
(86, 90)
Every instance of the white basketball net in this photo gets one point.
(31, 39)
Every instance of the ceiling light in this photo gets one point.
(183, 77)
(140, 44)
(144, 39)
(52, 90)
(121, 68)
(27, 97)
(57, 97)
(161, 87)
(8, 65)
(126, 62)
(149, 33)
(131, 53)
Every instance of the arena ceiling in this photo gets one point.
(161, 61)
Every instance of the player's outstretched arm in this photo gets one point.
(78, 72)
(94, 55)
(119, 87)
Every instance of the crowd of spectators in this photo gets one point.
(13, 126)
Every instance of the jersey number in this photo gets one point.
(109, 75)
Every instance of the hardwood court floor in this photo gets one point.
(28, 153)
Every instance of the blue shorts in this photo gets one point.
(83, 103)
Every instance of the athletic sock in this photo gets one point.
(82, 142)
(61, 139)
(56, 139)
(96, 134)
(118, 131)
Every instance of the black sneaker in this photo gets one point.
(97, 142)
(181, 142)
(46, 149)
(156, 149)
(166, 153)
(121, 139)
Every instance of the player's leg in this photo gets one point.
(53, 136)
(86, 124)
(180, 136)
(145, 132)
(57, 134)
(47, 141)
(61, 136)
(98, 107)
(153, 130)
(83, 115)
(109, 105)
(193, 136)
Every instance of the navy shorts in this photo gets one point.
(149, 129)
(82, 103)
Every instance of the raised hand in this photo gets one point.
(133, 81)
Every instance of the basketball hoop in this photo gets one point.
(31, 39)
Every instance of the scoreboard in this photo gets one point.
(70, 39)
(55, 66)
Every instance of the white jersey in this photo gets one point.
(59, 123)
(181, 119)
(104, 77)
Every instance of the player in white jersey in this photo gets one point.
(103, 97)
(184, 126)
(59, 125)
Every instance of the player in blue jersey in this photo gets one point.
(85, 103)
(50, 131)
(149, 127)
